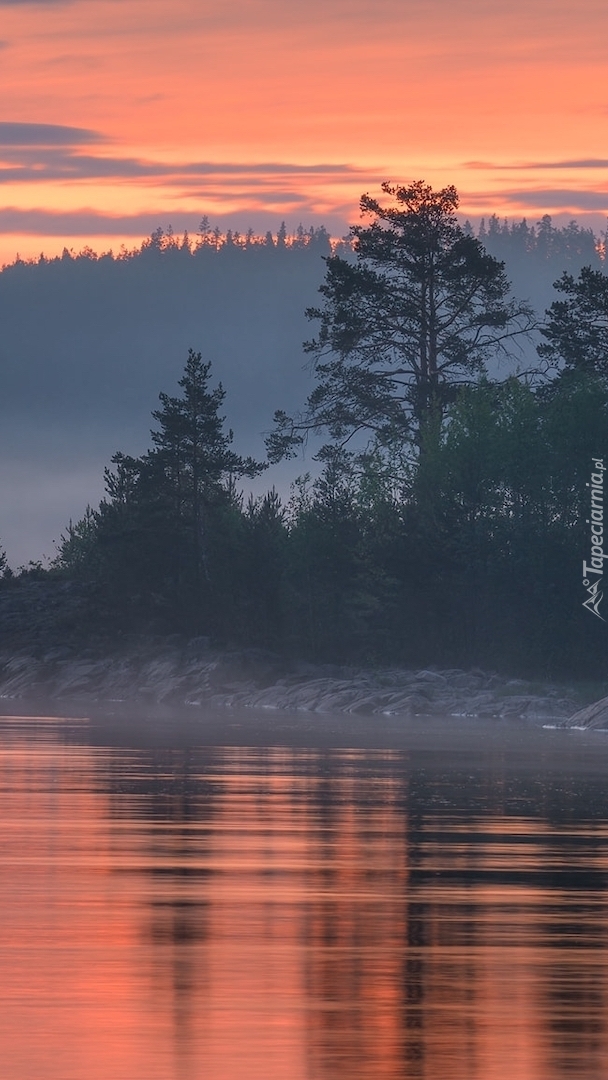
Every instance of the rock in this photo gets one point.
(175, 669)
(592, 716)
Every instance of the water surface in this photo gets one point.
(180, 904)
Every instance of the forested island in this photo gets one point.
(453, 502)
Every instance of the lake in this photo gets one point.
(238, 897)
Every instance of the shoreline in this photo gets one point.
(52, 650)
(192, 674)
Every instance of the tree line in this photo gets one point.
(542, 242)
(446, 523)
(206, 241)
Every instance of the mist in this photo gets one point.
(88, 343)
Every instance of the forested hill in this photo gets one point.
(88, 341)
(535, 255)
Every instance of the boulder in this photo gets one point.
(592, 716)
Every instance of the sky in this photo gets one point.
(117, 116)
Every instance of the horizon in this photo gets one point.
(241, 229)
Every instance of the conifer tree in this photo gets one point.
(576, 330)
(192, 463)
(161, 543)
(418, 314)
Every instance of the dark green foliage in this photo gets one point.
(475, 558)
(419, 313)
(262, 561)
(324, 558)
(161, 542)
(510, 502)
(577, 326)
(472, 558)
(454, 536)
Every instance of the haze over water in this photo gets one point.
(176, 910)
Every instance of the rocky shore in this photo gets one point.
(195, 675)
(45, 657)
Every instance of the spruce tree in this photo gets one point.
(192, 462)
(161, 543)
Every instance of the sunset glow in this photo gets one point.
(119, 117)
(235, 913)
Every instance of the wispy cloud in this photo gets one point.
(33, 3)
(43, 135)
(541, 200)
(259, 209)
(560, 199)
(580, 163)
(39, 153)
(86, 222)
(522, 166)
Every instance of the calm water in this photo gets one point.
(180, 911)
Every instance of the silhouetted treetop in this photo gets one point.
(418, 313)
(577, 326)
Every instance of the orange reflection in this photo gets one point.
(293, 914)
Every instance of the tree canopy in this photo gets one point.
(466, 552)
(157, 533)
(576, 330)
(417, 314)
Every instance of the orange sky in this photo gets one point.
(120, 115)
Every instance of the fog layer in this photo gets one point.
(88, 342)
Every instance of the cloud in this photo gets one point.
(259, 212)
(279, 168)
(39, 153)
(32, 3)
(560, 199)
(571, 163)
(251, 193)
(228, 190)
(40, 165)
(48, 151)
(43, 135)
(84, 222)
(582, 163)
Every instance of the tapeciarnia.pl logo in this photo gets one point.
(593, 572)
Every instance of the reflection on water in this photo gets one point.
(239, 914)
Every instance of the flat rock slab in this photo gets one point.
(252, 679)
(592, 716)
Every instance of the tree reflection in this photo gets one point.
(332, 914)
